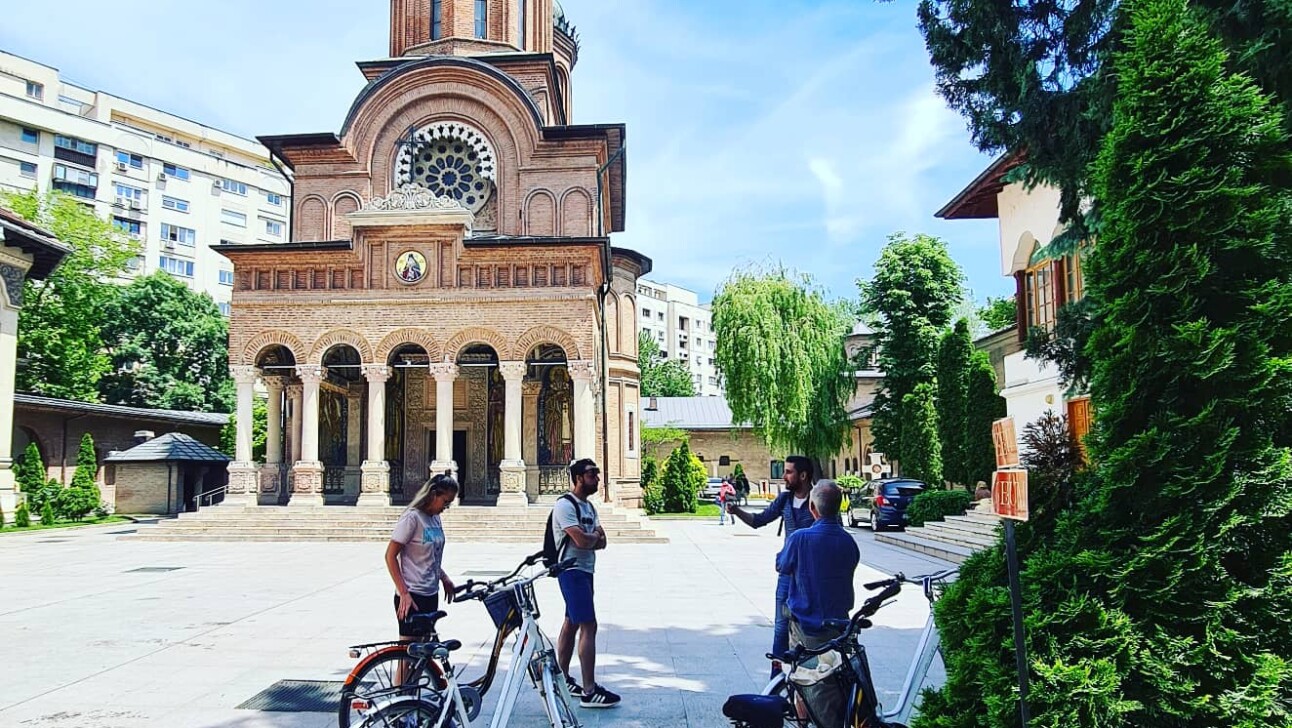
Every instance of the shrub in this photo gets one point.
(47, 515)
(30, 475)
(82, 497)
(682, 481)
(652, 491)
(21, 516)
(935, 505)
(849, 481)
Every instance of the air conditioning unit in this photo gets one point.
(161, 177)
(134, 205)
(122, 167)
(168, 244)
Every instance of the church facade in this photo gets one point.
(450, 298)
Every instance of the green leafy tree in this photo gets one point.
(1161, 598)
(920, 435)
(915, 289)
(661, 377)
(955, 353)
(22, 516)
(33, 479)
(781, 354)
(60, 343)
(999, 313)
(82, 496)
(168, 346)
(983, 406)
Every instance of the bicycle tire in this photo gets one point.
(407, 713)
(377, 670)
(559, 712)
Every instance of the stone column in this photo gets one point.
(10, 298)
(295, 393)
(512, 476)
(353, 443)
(272, 469)
(585, 427)
(529, 392)
(375, 481)
(307, 486)
(244, 480)
(444, 375)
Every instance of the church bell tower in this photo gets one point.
(472, 27)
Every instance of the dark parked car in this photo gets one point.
(882, 503)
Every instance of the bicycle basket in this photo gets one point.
(503, 609)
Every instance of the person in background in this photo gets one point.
(726, 494)
(820, 562)
(982, 492)
(791, 508)
(415, 554)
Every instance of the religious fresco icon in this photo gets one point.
(410, 267)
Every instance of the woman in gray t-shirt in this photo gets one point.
(415, 554)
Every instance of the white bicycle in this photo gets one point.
(533, 656)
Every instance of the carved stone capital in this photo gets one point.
(295, 390)
(275, 385)
(310, 373)
(512, 370)
(244, 374)
(531, 388)
(376, 373)
(445, 372)
(582, 371)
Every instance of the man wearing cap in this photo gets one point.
(577, 532)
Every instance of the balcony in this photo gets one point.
(71, 155)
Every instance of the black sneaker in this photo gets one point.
(575, 689)
(600, 698)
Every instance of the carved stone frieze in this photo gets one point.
(412, 197)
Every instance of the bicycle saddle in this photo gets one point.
(757, 711)
(418, 650)
(425, 620)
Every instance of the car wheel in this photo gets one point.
(874, 521)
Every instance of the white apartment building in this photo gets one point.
(684, 330)
(175, 185)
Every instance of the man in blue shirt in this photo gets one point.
(820, 562)
(791, 507)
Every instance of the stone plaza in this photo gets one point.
(105, 633)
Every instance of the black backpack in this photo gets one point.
(552, 552)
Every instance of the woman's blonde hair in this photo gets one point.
(438, 485)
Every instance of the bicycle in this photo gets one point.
(375, 677)
(776, 703)
(533, 656)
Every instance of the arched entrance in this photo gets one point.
(277, 366)
(341, 403)
(406, 407)
(479, 426)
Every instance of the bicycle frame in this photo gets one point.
(928, 648)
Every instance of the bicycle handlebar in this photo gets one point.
(479, 589)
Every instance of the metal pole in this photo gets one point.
(1016, 600)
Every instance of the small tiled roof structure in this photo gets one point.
(688, 413)
(171, 447)
(46, 251)
(36, 401)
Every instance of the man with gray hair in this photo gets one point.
(820, 562)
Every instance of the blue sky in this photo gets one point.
(758, 131)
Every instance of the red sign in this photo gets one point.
(1002, 433)
(1009, 494)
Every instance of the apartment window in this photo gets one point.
(437, 17)
(274, 199)
(645, 313)
(127, 226)
(226, 277)
(482, 19)
(176, 266)
(233, 218)
(73, 181)
(237, 188)
(75, 145)
(134, 160)
(173, 171)
(27, 169)
(30, 136)
(1038, 288)
(777, 469)
(182, 143)
(225, 308)
(273, 228)
(176, 234)
(35, 90)
(174, 203)
(128, 196)
(661, 315)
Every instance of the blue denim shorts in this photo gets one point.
(576, 589)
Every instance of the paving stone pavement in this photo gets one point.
(90, 642)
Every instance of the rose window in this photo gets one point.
(451, 160)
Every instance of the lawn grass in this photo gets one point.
(69, 524)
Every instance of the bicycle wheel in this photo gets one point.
(557, 698)
(407, 713)
(375, 679)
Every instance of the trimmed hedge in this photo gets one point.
(935, 505)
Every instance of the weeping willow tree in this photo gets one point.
(781, 355)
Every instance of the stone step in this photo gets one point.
(973, 524)
(981, 516)
(951, 536)
(912, 541)
(969, 528)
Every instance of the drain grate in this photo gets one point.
(153, 569)
(297, 696)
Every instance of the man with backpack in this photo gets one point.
(574, 531)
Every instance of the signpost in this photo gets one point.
(1009, 501)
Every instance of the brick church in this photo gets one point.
(450, 298)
